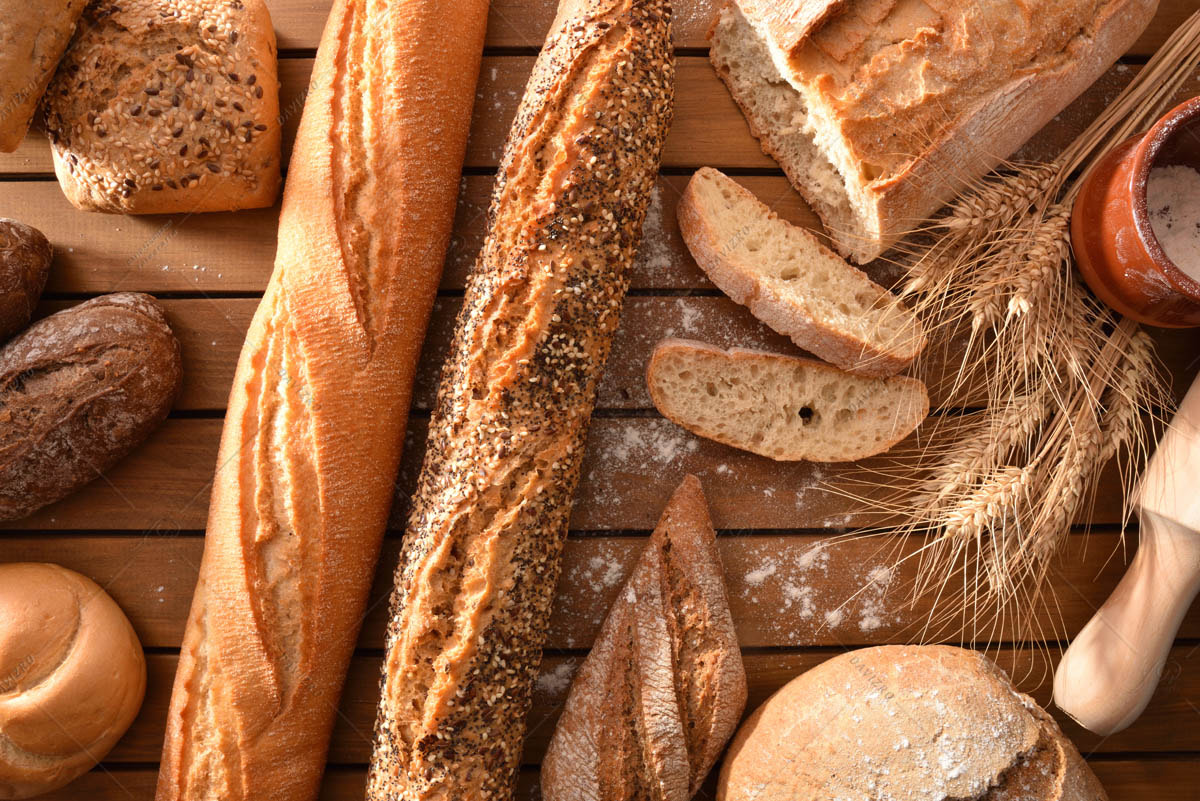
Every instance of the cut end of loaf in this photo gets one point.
(780, 119)
(782, 407)
(792, 282)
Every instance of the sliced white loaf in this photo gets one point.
(783, 407)
(792, 282)
(880, 111)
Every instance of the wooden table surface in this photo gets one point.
(139, 531)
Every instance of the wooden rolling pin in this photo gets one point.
(1109, 673)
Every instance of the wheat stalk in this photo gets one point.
(1067, 385)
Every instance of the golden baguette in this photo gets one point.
(316, 418)
(481, 554)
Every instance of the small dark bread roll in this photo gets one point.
(25, 256)
(78, 391)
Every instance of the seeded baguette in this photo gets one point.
(782, 407)
(792, 282)
(489, 517)
(316, 419)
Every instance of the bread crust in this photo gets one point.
(481, 552)
(35, 35)
(664, 687)
(80, 390)
(72, 677)
(843, 348)
(25, 256)
(972, 139)
(315, 424)
(163, 106)
(925, 722)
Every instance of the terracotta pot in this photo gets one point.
(1115, 246)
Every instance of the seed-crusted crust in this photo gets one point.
(664, 686)
(162, 106)
(481, 555)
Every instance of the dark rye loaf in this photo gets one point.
(78, 391)
(481, 554)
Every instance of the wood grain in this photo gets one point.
(765, 672)
(1172, 779)
(794, 588)
(822, 591)
(631, 465)
(211, 331)
(708, 128)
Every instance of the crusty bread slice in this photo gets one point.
(783, 407)
(792, 282)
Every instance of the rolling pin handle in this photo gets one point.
(1110, 672)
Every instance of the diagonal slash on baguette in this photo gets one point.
(664, 687)
(489, 517)
(792, 282)
(783, 407)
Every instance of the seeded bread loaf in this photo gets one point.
(162, 106)
(783, 407)
(792, 282)
(33, 36)
(481, 552)
(316, 418)
(932, 723)
(664, 687)
(880, 111)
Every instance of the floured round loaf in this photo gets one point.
(904, 723)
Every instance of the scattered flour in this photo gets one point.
(655, 252)
(554, 684)
(817, 591)
(756, 577)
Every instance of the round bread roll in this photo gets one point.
(72, 677)
(926, 723)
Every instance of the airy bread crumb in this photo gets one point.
(792, 282)
(782, 407)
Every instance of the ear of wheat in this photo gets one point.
(1054, 384)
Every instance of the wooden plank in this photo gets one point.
(525, 23)
(223, 253)
(631, 465)
(211, 331)
(820, 591)
(708, 128)
(1171, 779)
(766, 673)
